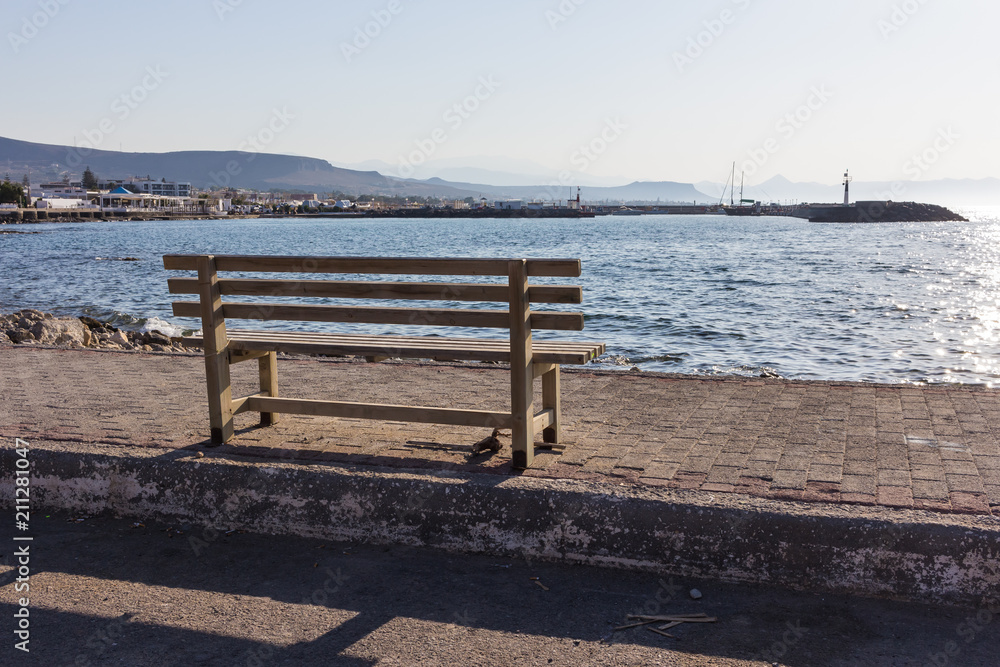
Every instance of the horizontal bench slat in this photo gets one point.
(404, 341)
(431, 266)
(454, 349)
(445, 317)
(405, 413)
(379, 290)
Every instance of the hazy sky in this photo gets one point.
(629, 90)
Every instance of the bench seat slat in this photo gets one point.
(456, 349)
(430, 266)
(379, 290)
(405, 413)
(441, 317)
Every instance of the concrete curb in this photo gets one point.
(902, 554)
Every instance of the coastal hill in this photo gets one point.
(664, 191)
(266, 171)
(205, 169)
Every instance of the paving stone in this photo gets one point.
(864, 484)
(965, 483)
(936, 448)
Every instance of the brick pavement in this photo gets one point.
(933, 448)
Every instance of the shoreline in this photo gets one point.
(30, 327)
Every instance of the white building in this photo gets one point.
(161, 188)
(60, 191)
(63, 203)
(509, 205)
(122, 201)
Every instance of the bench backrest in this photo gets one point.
(516, 292)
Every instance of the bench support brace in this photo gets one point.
(268, 366)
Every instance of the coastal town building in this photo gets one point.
(160, 188)
(60, 191)
(121, 200)
(62, 203)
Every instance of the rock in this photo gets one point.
(118, 338)
(491, 443)
(88, 338)
(155, 338)
(695, 594)
(20, 336)
(67, 331)
(91, 323)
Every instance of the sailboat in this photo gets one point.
(746, 207)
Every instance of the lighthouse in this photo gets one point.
(847, 187)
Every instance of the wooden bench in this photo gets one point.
(528, 359)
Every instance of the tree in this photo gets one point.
(12, 193)
(90, 181)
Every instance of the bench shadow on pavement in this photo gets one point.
(417, 452)
(390, 597)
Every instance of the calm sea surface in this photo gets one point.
(688, 294)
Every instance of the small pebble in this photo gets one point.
(199, 455)
(695, 594)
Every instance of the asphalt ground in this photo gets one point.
(106, 591)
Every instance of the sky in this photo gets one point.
(580, 89)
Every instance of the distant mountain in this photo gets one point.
(495, 170)
(205, 169)
(640, 191)
(947, 192)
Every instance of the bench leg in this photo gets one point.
(268, 366)
(522, 370)
(522, 432)
(220, 397)
(551, 401)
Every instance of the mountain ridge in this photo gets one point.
(267, 171)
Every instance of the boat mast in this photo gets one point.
(732, 189)
(741, 187)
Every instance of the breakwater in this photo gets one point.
(486, 213)
(879, 211)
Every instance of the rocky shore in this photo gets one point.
(33, 327)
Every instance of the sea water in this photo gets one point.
(908, 302)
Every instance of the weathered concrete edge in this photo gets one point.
(900, 554)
